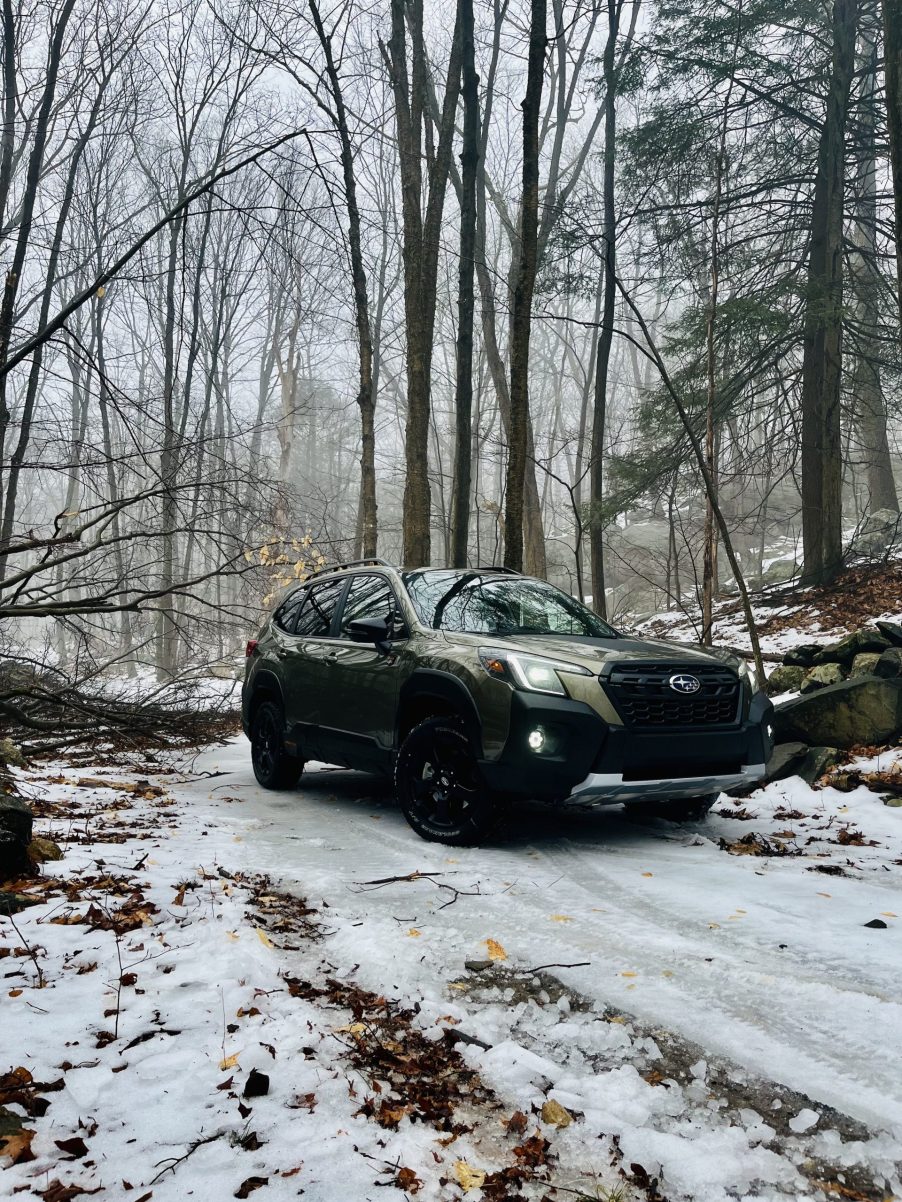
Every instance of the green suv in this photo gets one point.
(478, 687)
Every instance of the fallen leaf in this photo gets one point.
(516, 1124)
(556, 1114)
(629, 974)
(888, 914)
(825, 895)
(228, 1062)
(15, 993)
(496, 952)
(648, 874)
(414, 933)
(408, 1180)
(233, 935)
(18, 1145)
(561, 918)
(247, 1187)
(267, 942)
(75, 1147)
(466, 1176)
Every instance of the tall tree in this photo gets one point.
(521, 318)
(822, 342)
(892, 57)
(421, 247)
(463, 392)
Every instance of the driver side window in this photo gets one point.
(368, 597)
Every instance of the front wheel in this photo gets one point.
(679, 809)
(274, 768)
(440, 788)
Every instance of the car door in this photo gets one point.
(360, 693)
(303, 659)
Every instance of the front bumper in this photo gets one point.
(588, 761)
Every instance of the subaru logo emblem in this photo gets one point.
(683, 683)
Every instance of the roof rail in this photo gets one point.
(494, 567)
(351, 563)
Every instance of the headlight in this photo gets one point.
(531, 672)
(746, 670)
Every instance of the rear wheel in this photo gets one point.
(274, 768)
(440, 788)
(678, 809)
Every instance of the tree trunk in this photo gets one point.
(822, 344)
(522, 307)
(463, 393)
(606, 335)
(892, 33)
(864, 273)
(366, 393)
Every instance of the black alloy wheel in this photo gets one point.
(274, 768)
(439, 786)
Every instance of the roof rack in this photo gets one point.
(494, 567)
(351, 563)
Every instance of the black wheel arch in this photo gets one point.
(265, 686)
(431, 693)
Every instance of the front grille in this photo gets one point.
(643, 696)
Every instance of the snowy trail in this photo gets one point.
(759, 960)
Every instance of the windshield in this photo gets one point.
(477, 603)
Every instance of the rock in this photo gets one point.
(876, 924)
(801, 656)
(477, 965)
(779, 572)
(256, 1085)
(555, 1114)
(853, 644)
(864, 663)
(881, 520)
(786, 678)
(41, 850)
(15, 835)
(891, 631)
(894, 802)
(863, 711)
(889, 664)
(822, 676)
(784, 760)
(818, 761)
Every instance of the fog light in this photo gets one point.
(536, 739)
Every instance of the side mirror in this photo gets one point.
(371, 630)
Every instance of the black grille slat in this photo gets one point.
(643, 696)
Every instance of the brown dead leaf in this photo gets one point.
(408, 1180)
(57, 1192)
(74, 1147)
(247, 1187)
(516, 1124)
(495, 950)
(17, 1146)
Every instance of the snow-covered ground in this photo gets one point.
(725, 1022)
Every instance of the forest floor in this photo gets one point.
(222, 991)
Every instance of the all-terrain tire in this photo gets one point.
(440, 789)
(274, 768)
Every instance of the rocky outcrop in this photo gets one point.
(864, 711)
(846, 649)
(15, 836)
(821, 677)
(889, 665)
(787, 678)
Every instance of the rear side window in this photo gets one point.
(315, 619)
(286, 615)
(368, 597)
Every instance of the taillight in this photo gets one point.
(250, 648)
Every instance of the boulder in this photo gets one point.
(785, 679)
(863, 711)
(822, 677)
(881, 521)
(891, 631)
(802, 656)
(864, 663)
(785, 760)
(41, 850)
(15, 835)
(818, 761)
(779, 572)
(889, 664)
(853, 644)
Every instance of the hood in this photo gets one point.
(592, 653)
